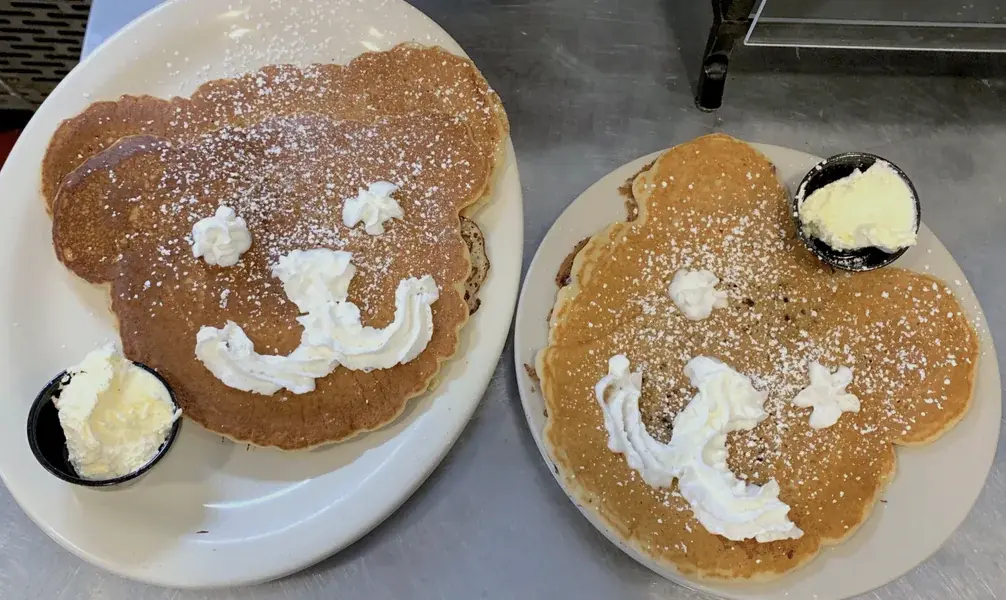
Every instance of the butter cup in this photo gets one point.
(48, 442)
(831, 170)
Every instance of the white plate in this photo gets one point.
(214, 513)
(936, 484)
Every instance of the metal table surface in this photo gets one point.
(589, 86)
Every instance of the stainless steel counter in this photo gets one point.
(589, 86)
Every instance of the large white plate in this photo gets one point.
(936, 484)
(214, 513)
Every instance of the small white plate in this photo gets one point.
(214, 513)
(936, 484)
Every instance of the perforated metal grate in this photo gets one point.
(39, 44)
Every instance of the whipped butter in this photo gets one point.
(114, 414)
(697, 453)
(826, 395)
(695, 293)
(222, 238)
(317, 282)
(372, 206)
(871, 208)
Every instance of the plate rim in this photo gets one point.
(507, 189)
(528, 394)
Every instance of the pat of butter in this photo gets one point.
(115, 415)
(871, 208)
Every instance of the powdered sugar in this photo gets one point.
(287, 178)
(783, 315)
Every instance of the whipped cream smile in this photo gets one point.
(317, 281)
(697, 454)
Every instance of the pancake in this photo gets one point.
(122, 219)
(476, 242)
(715, 203)
(404, 80)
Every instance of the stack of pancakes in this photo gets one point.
(126, 180)
(715, 203)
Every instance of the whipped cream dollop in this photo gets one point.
(868, 208)
(317, 282)
(695, 293)
(372, 206)
(222, 238)
(697, 453)
(114, 414)
(826, 395)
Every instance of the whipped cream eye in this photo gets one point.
(826, 395)
(695, 293)
(372, 207)
(222, 238)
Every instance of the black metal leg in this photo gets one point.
(731, 19)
